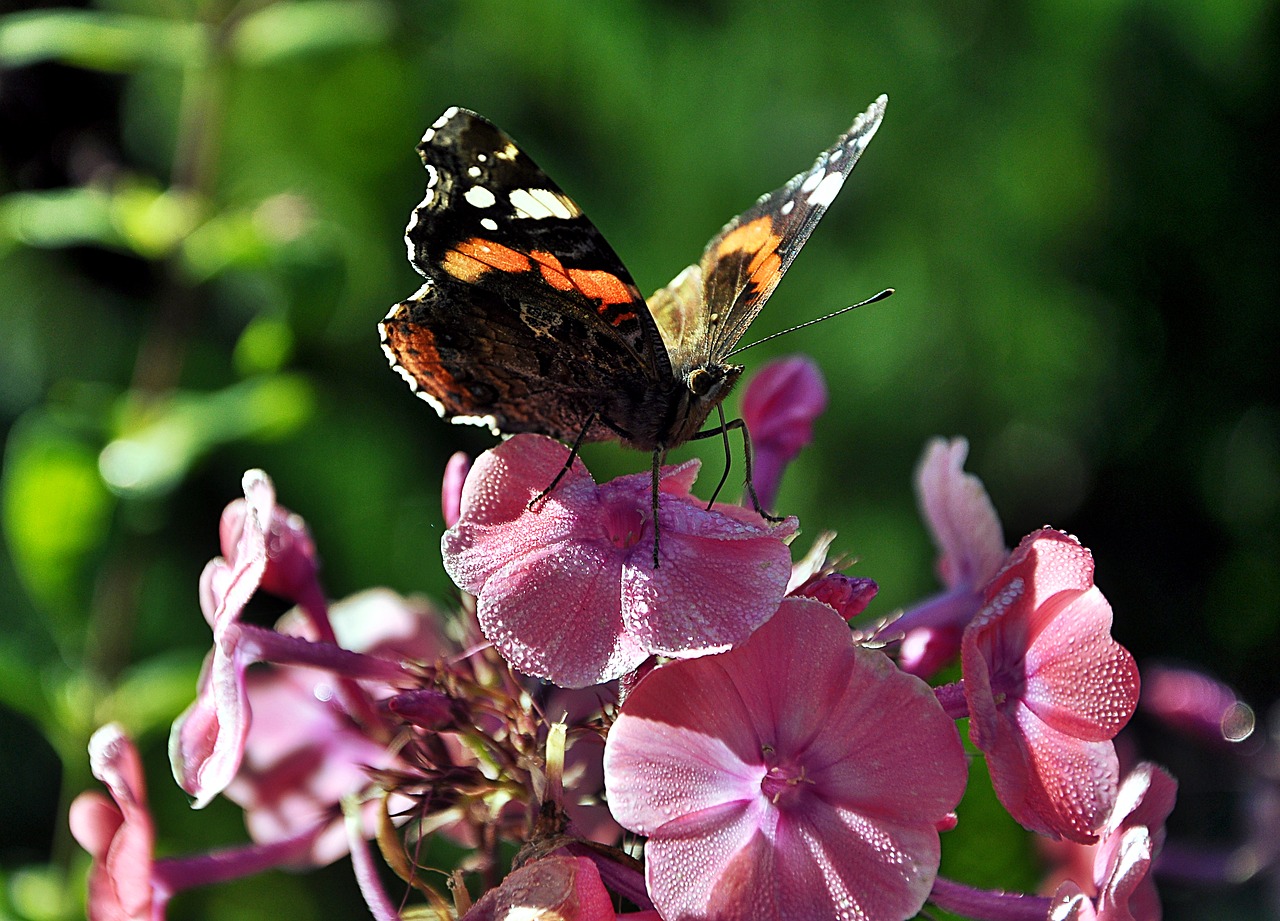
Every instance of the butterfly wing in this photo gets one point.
(745, 261)
(528, 321)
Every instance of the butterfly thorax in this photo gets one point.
(682, 410)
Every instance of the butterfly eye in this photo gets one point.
(700, 381)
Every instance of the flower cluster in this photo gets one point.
(776, 763)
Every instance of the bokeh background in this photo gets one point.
(201, 210)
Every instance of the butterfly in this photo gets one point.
(529, 322)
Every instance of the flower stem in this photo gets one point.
(987, 904)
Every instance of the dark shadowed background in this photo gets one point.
(201, 214)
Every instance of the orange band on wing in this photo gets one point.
(493, 255)
(753, 237)
(601, 286)
(553, 271)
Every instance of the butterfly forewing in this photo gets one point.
(528, 320)
(745, 261)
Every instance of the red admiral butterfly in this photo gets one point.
(528, 321)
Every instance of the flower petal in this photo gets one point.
(959, 513)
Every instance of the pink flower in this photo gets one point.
(796, 777)
(569, 593)
(967, 532)
(118, 832)
(303, 752)
(779, 406)
(207, 740)
(1116, 871)
(1048, 688)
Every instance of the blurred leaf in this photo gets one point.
(156, 450)
(152, 693)
(246, 238)
(98, 40)
(286, 30)
(134, 215)
(59, 217)
(56, 511)
(263, 347)
(20, 687)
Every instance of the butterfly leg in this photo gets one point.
(723, 430)
(573, 453)
(659, 456)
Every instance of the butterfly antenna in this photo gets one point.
(871, 300)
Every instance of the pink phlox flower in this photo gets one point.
(797, 777)
(1048, 688)
(779, 406)
(568, 592)
(967, 532)
(207, 740)
(1107, 871)
(118, 832)
(304, 752)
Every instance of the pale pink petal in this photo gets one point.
(646, 786)
(120, 886)
(206, 743)
(683, 873)
(1070, 904)
(455, 475)
(669, 611)
(555, 613)
(959, 514)
(1130, 865)
(568, 591)
(767, 782)
(496, 526)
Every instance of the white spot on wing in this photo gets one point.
(488, 223)
(787, 207)
(473, 171)
(826, 191)
(811, 181)
(480, 197)
(542, 203)
(489, 421)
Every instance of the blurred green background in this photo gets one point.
(201, 212)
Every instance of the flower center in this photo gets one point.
(784, 781)
(624, 525)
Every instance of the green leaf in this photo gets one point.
(134, 215)
(57, 511)
(154, 451)
(59, 217)
(99, 40)
(287, 30)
